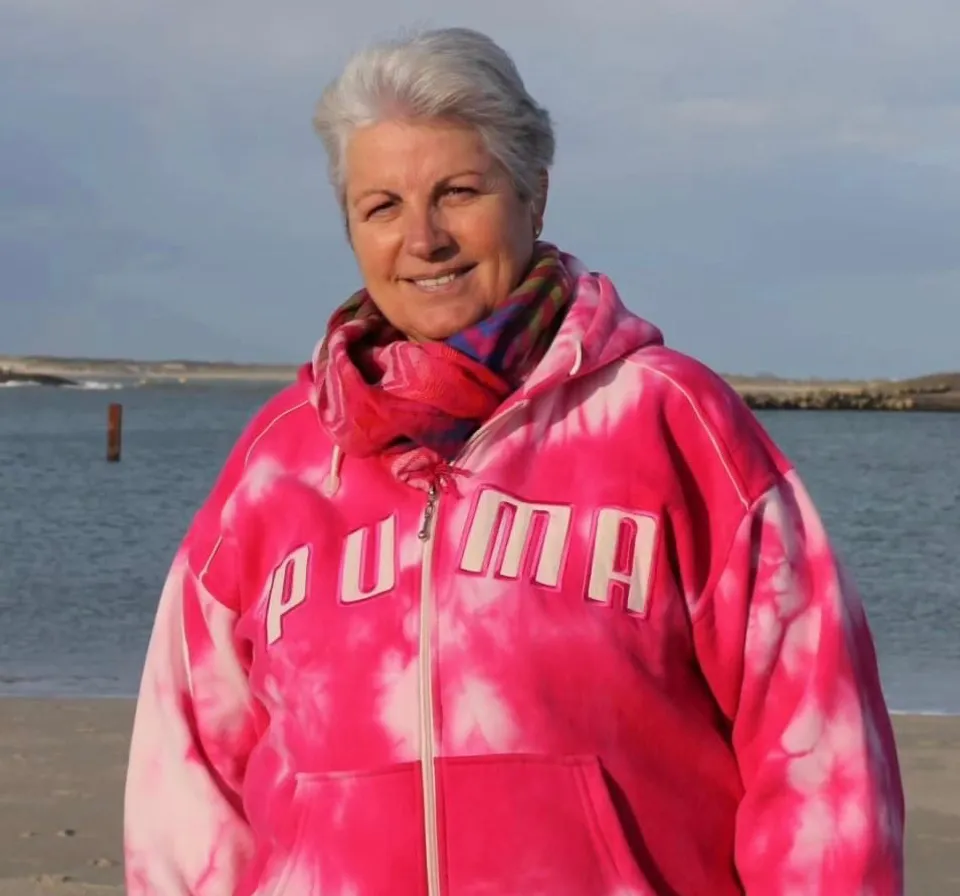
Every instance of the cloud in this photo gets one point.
(721, 158)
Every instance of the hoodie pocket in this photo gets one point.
(355, 832)
(530, 825)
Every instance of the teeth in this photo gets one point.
(435, 282)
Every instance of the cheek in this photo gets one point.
(505, 235)
(518, 227)
(516, 246)
(373, 255)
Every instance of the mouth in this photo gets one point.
(440, 281)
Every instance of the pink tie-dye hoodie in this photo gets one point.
(612, 653)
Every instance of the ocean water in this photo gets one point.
(85, 545)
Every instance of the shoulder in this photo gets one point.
(282, 419)
(279, 422)
(275, 429)
(716, 433)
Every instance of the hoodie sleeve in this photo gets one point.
(784, 644)
(184, 828)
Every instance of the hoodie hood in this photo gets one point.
(598, 330)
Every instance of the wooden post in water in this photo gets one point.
(114, 432)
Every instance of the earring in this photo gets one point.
(537, 229)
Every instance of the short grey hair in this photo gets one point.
(452, 74)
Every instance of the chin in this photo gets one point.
(443, 327)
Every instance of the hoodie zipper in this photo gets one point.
(426, 534)
(427, 747)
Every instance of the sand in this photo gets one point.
(61, 784)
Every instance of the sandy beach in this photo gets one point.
(61, 784)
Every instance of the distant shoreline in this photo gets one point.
(129, 370)
(934, 392)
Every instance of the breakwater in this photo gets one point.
(33, 379)
(943, 398)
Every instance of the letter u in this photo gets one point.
(369, 565)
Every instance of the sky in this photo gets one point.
(774, 183)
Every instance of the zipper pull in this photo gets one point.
(428, 512)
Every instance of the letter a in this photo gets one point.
(622, 558)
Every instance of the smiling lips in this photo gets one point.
(434, 284)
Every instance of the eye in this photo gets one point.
(379, 209)
(460, 191)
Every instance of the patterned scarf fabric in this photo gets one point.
(378, 393)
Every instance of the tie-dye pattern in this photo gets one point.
(621, 660)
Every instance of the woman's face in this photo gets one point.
(438, 230)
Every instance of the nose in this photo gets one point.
(425, 235)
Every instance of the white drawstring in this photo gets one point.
(578, 359)
(331, 483)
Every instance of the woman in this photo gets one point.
(502, 596)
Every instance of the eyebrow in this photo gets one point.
(374, 191)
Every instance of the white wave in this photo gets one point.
(97, 386)
(86, 385)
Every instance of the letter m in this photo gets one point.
(516, 538)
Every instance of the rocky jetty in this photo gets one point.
(927, 396)
(34, 379)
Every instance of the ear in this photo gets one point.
(540, 201)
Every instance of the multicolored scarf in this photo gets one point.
(378, 393)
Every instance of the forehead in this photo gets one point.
(400, 156)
